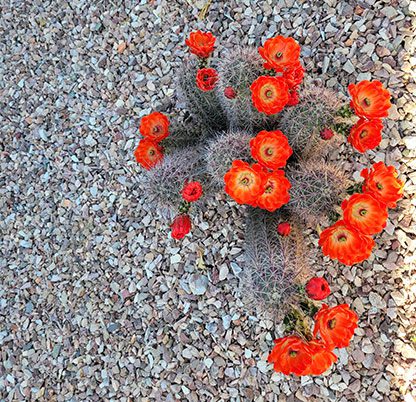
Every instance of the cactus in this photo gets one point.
(302, 124)
(275, 265)
(237, 70)
(204, 106)
(164, 182)
(222, 150)
(317, 190)
(184, 134)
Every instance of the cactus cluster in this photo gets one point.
(275, 265)
(223, 122)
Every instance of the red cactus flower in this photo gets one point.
(276, 192)
(269, 94)
(326, 134)
(154, 126)
(293, 98)
(370, 99)
(290, 355)
(317, 289)
(294, 76)
(192, 191)
(365, 213)
(271, 149)
(181, 226)
(335, 325)
(148, 153)
(345, 243)
(366, 134)
(206, 79)
(244, 183)
(230, 93)
(322, 358)
(382, 183)
(284, 229)
(201, 43)
(280, 53)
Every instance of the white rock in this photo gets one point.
(198, 284)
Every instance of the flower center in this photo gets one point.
(293, 353)
(367, 101)
(362, 212)
(269, 189)
(269, 151)
(363, 134)
(379, 186)
(323, 287)
(269, 93)
(245, 181)
(157, 129)
(279, 55)
(331, 323)
(151, 152)
(342, 238)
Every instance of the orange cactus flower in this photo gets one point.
(269, 94)
(322, 358)
(365, 213)
(244, 183)
(382, 183)
(206, 79)
(345, 244)
(276, 192)
(201, 43)
(335, 325)
(271, 149)
(294, 76)
(154, 126)
(280, 53)
(290, 355)
(370, 99)
(365, 134)
(148, 153)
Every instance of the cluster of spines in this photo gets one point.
(303, 123)
(317, 189)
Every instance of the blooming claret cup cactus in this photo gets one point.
(263, 139)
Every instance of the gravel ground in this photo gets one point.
(97, 303)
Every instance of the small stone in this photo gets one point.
(29, 307)
(121, 47)
(349, 67)
(174, 259)
(389, 11)
(150, 86)
(114, 326)
(223, 272)
(410, 142)
(198, 284)
(376, 300)
(226, 321)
